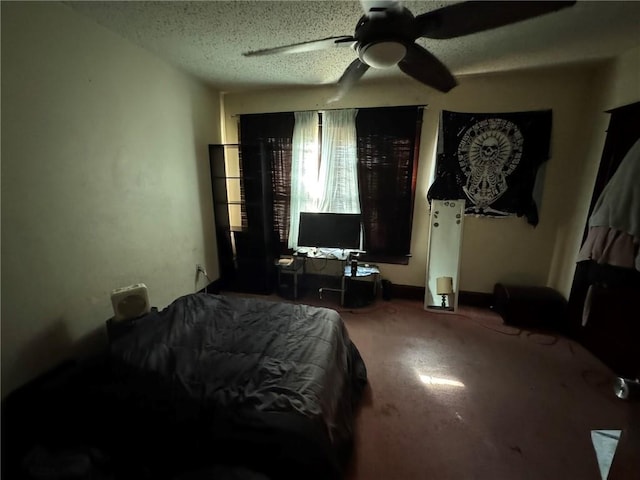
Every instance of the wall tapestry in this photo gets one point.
(491, 160)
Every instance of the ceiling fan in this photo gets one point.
(385, 36)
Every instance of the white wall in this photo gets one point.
(494, 250)
(105, 182)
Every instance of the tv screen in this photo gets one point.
(329, 230)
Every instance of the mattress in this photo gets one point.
(238, 381)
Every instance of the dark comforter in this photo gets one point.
(238, 381)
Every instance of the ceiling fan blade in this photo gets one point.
(351, 75)
(426, 68)
(476, 16)
(321, 44)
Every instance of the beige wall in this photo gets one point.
(494, 250)
(105, 182)
(622, 84)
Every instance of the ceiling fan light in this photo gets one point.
(382, 54)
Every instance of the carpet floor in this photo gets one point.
(462, 396)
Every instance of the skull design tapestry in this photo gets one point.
(492, 160)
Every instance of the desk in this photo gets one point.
(364, 270)
(295, 266)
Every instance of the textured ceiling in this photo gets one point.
(207, 39)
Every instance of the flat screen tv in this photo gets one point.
(329, 230)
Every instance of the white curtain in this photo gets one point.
(305, 190)
(339, 163)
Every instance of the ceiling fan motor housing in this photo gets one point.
(382, 40)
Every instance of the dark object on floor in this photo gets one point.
(603, 314)
(359, 293)
(536, 307)
(387, 290)
(627, 388)
(51, 426)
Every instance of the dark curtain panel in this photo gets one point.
(388, 145)
(274, 133)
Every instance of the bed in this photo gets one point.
(212, 387)
(262, 389)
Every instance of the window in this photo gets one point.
(327, 182)
(386, 153)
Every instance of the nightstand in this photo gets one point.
(290, 268)
(117, 329)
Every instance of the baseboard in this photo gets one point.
(407, 292)
(476, 299)
(472, 299)
(313, 281)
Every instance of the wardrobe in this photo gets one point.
(604, 304)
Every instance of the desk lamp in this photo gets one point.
(444, 287)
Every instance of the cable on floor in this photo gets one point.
(553, 341)
(510, 334)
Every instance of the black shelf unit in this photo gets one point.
(242, 202)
